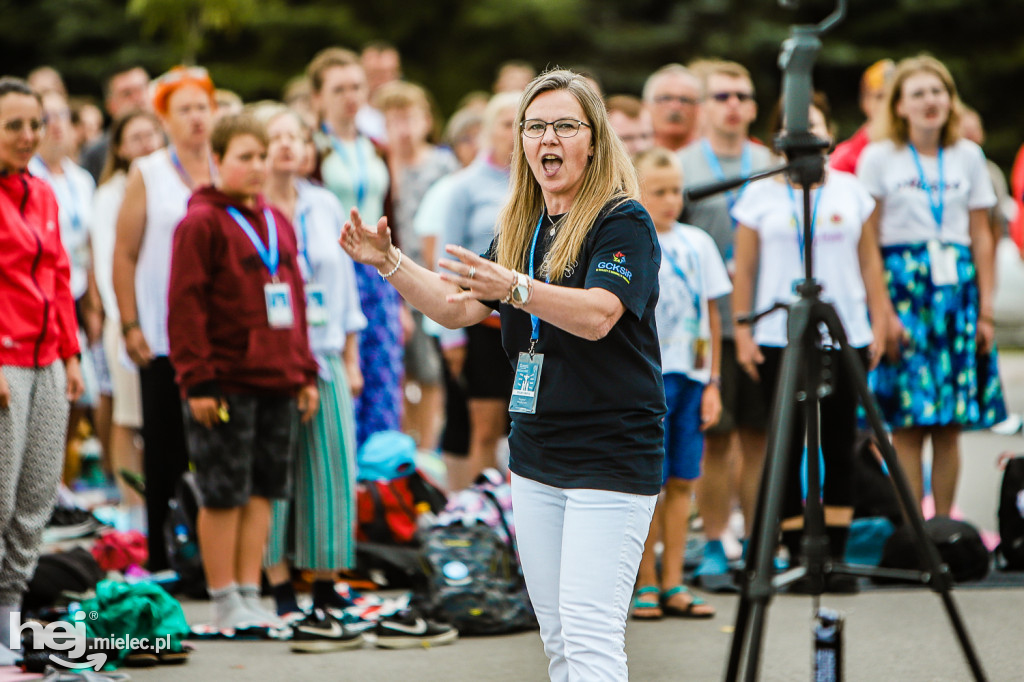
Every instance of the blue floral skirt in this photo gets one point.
(939, 379)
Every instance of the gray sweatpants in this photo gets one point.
(32, 433)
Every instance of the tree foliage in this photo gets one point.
(454, 46)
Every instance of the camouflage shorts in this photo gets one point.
(250, 454)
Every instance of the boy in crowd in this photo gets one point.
(692, 278)
(238, 339)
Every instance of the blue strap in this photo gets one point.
(534, 320)
(938, 206)
(361, 174)
(304, 246)
(270, 256)
(732, 196)
(694, 289)
(181, 169)
(798, 223)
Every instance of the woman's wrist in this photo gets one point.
(392, 261)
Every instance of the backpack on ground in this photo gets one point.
(1011, 516)
(182, 540)
(474, 580)
(74, 571)
(959, 544)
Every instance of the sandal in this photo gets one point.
(643, 601)
(688, 611)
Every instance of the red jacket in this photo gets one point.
(220, 338)
(846, 154)
(37, 313)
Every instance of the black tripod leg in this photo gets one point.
(941, 581)
(757, 581)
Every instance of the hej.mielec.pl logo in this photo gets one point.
(69, 639)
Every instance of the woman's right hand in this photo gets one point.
(5, 392)
(896, 337)
(366, 244)
(207, 411)
(748, 355)
(137, 347)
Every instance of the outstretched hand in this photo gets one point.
(364, 243)
(479, 278)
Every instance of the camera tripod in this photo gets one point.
(803, 378)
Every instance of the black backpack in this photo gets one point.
(182, 540)
(473, 578)
(959, 544)
(1011, 516)
(75, 570)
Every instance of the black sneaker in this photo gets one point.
(409, 630)
(69, 523)
(320, 632)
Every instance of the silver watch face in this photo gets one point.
(519, 293)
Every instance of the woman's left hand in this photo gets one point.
(480, 279)
(308, 402)
(75, 384)
(985, 337)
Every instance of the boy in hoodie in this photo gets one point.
(237, 329)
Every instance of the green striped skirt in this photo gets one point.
(315, 529)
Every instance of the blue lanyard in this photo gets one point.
(799, 223)
(72, 207)
(534, 320)
(746, 164)
(938, 206)
(270, 257)
(304, 247)
(184, 173)
(695, 262)
(361, 176)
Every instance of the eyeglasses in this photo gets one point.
(666, 99)
(726, 96)
(563, 127)
(15, 126)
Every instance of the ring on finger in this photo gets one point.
(472, 272)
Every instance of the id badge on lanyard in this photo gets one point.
(316, 306)
(278, 295)
(526, 384)
(942, 256)
(280, 314)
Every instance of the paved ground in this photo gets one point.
(891, 635)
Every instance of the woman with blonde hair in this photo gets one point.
(939, 374)
(573, 271)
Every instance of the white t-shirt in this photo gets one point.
(692, 273)
(768, 208)
(890, 174)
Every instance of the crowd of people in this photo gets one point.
(257, 289)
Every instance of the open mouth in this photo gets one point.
(551, 164)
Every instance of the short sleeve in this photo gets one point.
(749, 208)
(861, 198)
(716, 277)
(625, 258)
(982, 193)
(869, 170)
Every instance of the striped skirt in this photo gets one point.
(315, 529)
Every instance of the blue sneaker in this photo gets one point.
(714, 562)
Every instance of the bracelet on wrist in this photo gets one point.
(128, 326)
(511, 288)
(716, 382)
(398, 264)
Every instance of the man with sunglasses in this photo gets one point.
(672, 94)
(725, 151)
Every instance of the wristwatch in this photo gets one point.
(520, 294)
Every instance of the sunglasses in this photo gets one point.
(726, 96)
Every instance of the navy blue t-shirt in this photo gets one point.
(601, 403)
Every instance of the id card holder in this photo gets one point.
(279, 305)
(701, 346)
(943, 263)
(316, 307)
(526, 384)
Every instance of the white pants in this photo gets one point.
(580, 551)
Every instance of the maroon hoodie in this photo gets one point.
(221, 341)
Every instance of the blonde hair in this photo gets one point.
(608, 177)
(327, 58)
(894, 127)
(656, 157)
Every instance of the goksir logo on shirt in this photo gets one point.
(615, 266)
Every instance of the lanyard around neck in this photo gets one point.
(938, 205)
(534, 320)
(185, 177)
(362, 178)
(798, 223)
(270, 255)
(693, 288)
(746, 166)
